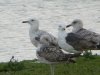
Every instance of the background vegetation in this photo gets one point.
(83, 66)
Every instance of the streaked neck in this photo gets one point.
(32, 31)
(76, 28)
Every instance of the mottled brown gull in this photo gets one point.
(90, 36)
(49, 54)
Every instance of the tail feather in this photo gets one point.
(70, 57)
(73, 55)
(98, 45)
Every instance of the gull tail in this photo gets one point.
(71, 56)
(98, 45)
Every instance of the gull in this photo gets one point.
(73, 43)
(49, 54)
(62, 40)
(34, 32)
(90, 36)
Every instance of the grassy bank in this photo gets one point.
(82, 67)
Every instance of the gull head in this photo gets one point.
(32, 22)
(62, 28)
(77, 23)
(44, 40)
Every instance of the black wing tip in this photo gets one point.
(98, 46)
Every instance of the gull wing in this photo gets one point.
(89, 35)
(79, 43)
(54, 54)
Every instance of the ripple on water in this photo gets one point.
(14, 37)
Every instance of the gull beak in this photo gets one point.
(25, 22)
(68, 25)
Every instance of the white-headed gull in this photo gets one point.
(35, 32)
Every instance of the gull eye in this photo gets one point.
(32, 20)
(74, 22)
(63, 28)
(59, 26)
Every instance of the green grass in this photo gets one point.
(83, 66)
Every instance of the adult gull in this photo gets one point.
(62, 40)
(35, 32)
(78, 29)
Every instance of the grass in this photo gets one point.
(83, 66)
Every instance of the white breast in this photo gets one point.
(62, 41)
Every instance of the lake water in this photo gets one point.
(14, 36)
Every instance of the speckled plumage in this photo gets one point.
(53, 54)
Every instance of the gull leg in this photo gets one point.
(52, 69)
(90, 52)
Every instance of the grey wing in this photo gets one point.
(79, 43)
(89, 35)
(53, 54)
(48, 38)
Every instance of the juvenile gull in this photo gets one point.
(49, 54)
(72, 42)
(34, 32)
(84, 33)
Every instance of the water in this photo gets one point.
(14, 37)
